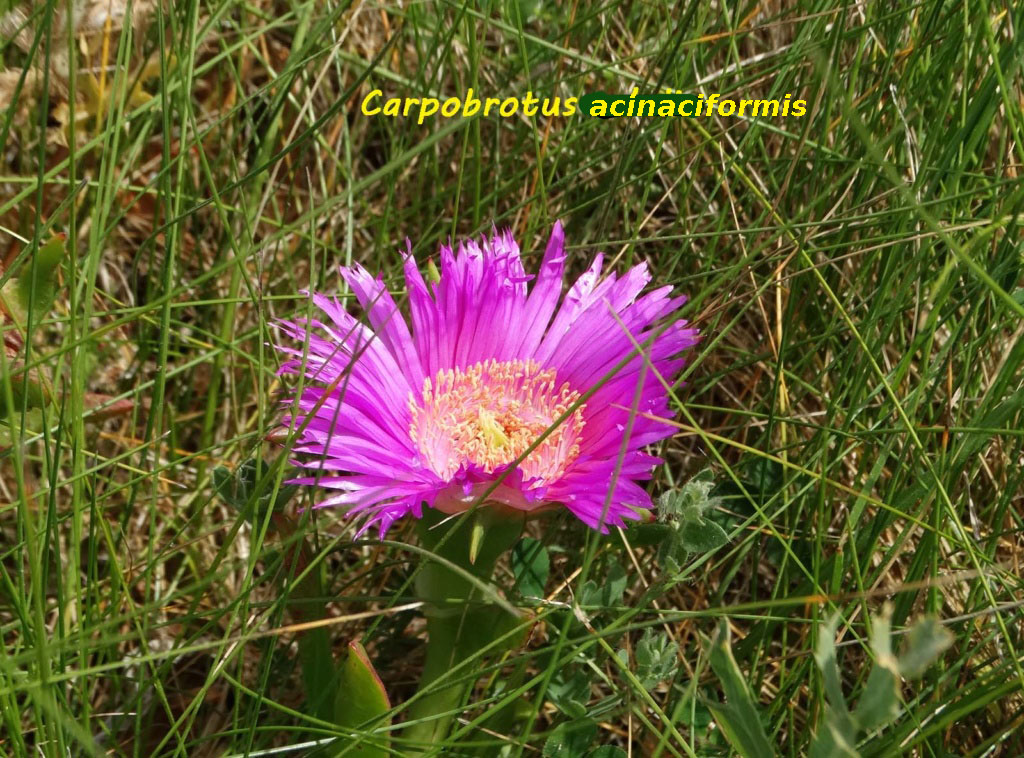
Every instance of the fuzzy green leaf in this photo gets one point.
(248, 489)
(570, 740)
(702, 536)
(880, 702)
(607, 594)
(607, 751)
(825, 657)
(927, 640)
(738, 717)
(570, 693)
(648, 535)
(684, 515)
(763, 475)
(223, 483)
(656, 658)
(834, 740)
(690, 502)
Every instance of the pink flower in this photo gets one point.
(395, 418)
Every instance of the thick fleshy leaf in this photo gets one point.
(37, 280)
(362, 701)
(466, 616)
(27, 390)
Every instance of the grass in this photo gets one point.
(856, 273)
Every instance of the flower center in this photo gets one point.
(489, 413)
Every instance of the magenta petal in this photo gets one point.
(543, 298)
(386, 320)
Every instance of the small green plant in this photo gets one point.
(574, 740)
(878, 706)
(688, 529)
(738, 716)
(657, 658)
(25, 300)
(348, 693)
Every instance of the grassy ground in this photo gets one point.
(857, 274)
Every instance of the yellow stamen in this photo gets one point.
(489, 413)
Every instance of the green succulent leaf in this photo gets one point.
(37, 280)
(26, 390)
(360, 699)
